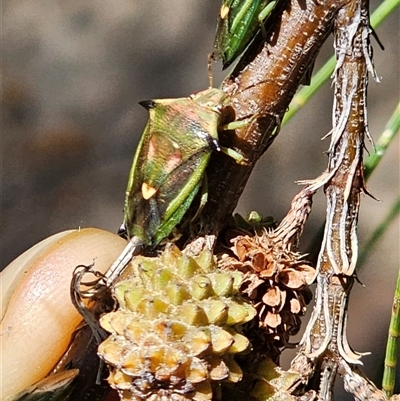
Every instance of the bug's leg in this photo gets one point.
(210, 60)
(264, 14)
(240, 159)
(239, 123)
(306, 80)
(105, 281)
(133, 247)
(278, 122)
(203, 196)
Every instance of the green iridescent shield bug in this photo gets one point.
(169, 167)
(238, 22)
(167, 172)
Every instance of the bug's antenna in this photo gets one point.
(210, 59)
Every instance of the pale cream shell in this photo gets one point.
(38, 317)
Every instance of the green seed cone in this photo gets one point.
(176, 329)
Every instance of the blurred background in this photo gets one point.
(73, 74)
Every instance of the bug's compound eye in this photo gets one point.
(215, 145)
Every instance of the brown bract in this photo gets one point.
(276, 280)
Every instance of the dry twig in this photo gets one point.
(325, 349)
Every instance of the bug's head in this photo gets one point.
(148, 104)
(122, 231)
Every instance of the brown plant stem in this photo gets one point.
(356, 383)
(263, 84)
(325, 343)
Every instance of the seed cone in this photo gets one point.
(276, 281)
(176, 329)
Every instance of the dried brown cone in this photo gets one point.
(276, 281)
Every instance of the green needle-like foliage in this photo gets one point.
(391, 130)
(392, 346)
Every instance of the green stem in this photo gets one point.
(391, 130)
(379, 231)
(305, 94)
(389, 373)
(392, 346)
(383, 11)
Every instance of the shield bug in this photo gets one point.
(169, 167)
(238, 22)
(167, 172)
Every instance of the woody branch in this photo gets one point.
(263, 84)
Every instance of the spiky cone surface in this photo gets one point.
(276, 281)
(176, 329)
